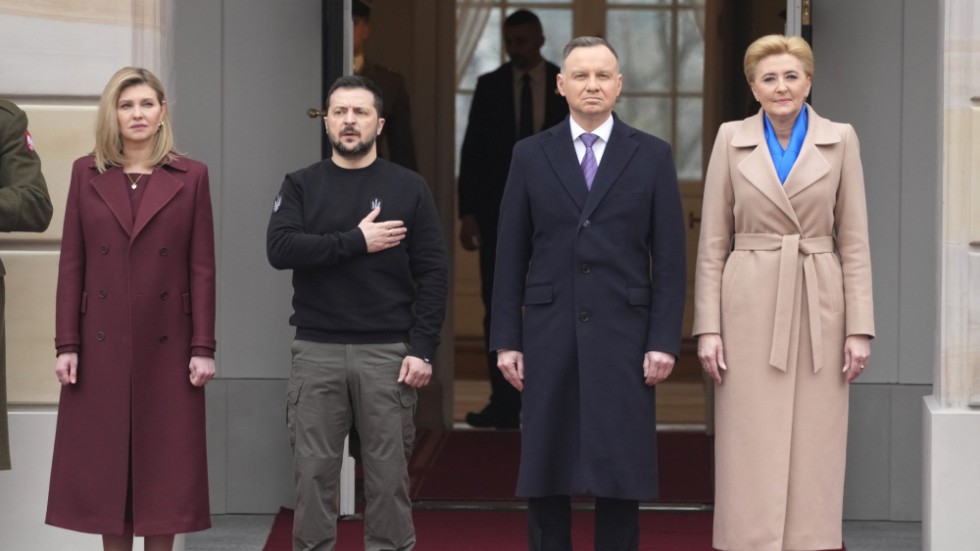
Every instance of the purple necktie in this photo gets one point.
(589, 163)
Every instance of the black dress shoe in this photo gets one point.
(488, 419)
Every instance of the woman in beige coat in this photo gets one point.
(783, 308)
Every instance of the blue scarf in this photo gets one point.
(782, 159)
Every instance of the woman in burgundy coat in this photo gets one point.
(135, 329)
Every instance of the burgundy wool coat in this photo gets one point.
(136, 299)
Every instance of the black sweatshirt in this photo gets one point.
(342, 293)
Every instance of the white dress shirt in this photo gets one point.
(538, 76)
(599, 147)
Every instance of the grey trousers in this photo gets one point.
(331, 387)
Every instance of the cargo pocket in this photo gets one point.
(293, 390)
(407, 396)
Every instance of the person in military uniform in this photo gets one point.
(395, 144)
(24, 206)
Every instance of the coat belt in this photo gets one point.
(789, 247)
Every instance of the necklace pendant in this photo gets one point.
(132, 182)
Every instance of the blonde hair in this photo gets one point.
(776, 44)
(108, 140)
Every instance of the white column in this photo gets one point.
(952, 414)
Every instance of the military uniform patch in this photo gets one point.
(29, 140)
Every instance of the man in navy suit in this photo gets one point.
(510, 103)
(588, 300)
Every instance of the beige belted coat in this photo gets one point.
(783, 275)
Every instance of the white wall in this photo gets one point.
(878, 68)
(246, 72)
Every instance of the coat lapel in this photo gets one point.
(111, 188)
(811, 165)
(616, 156)
(757, 167)
(161, 190)
(560, 151)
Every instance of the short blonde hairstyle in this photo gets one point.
(776, 44)
(108, 140)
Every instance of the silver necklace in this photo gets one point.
(132, 182)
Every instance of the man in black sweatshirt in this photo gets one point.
(370, 279)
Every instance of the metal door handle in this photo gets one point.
(693, 220)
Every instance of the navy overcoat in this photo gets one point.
(585, 283)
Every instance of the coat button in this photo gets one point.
(585, 315)
(164, 251)
(164, 295)
(586, 268)
(103, 293)
(163, 339)
(100, 336)
(104, 249)
(587, 223)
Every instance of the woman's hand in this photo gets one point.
(202, 370)
(857, 353)
(66, 368)
(711, 353)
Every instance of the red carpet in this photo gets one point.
(482, 466)
(507, 531)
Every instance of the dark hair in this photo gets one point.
(356, 81)
(359, 8)
(523, 17)
(586, 42)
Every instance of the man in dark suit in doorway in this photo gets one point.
(515, 101)
(588, 300)
(396, 143)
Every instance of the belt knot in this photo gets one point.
(790, 247)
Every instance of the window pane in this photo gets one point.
(687, 149)
(690, 51)
(486, 56)
(557, 26)
(651, 115)
(642, 39)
